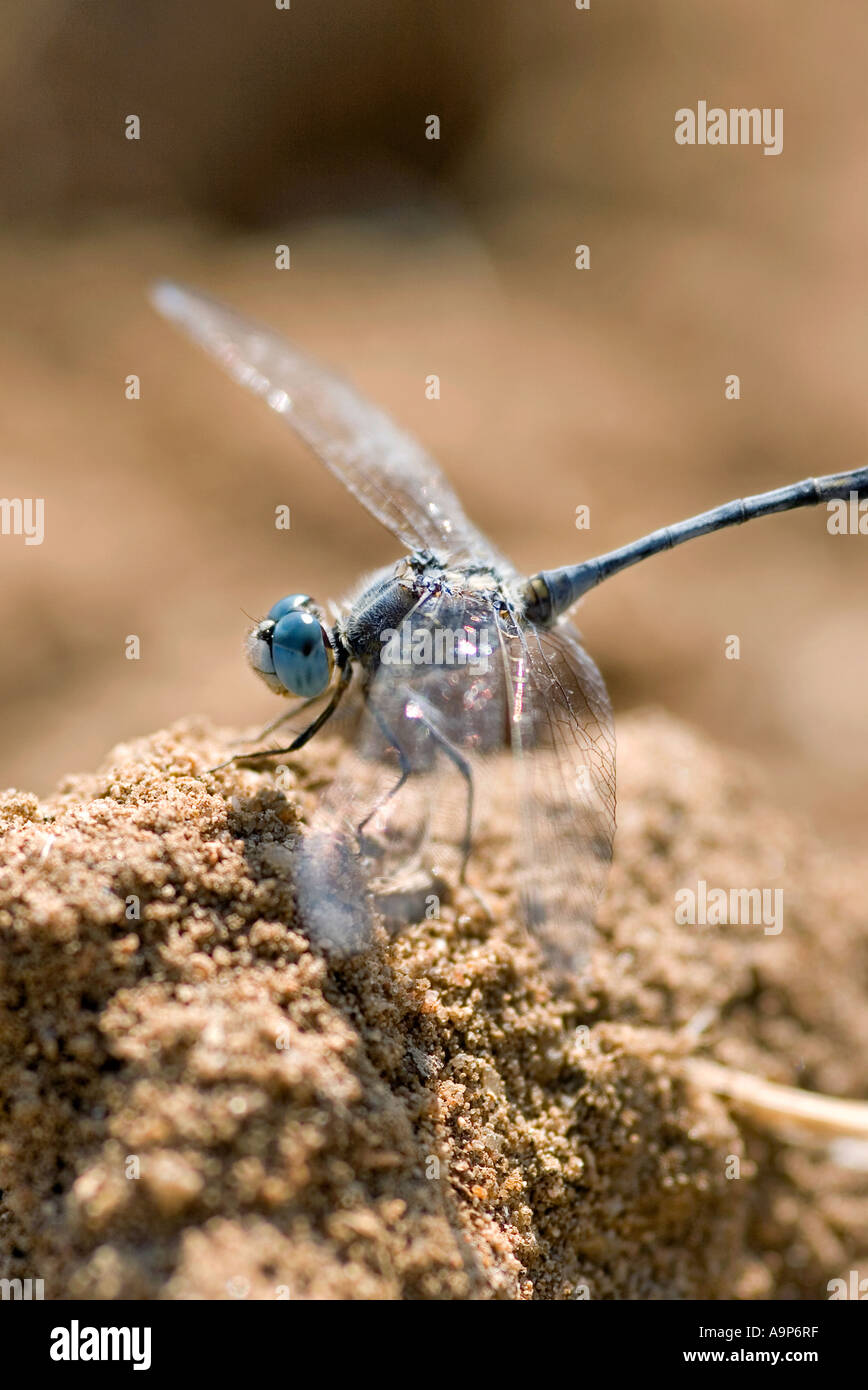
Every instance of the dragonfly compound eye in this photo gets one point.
(288, 605)
(301, 653)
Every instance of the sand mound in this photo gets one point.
(196, 1105)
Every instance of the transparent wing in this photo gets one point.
(526, 728)
(383, 467)
(564, 742)
(393, 827)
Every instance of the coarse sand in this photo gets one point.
(195, 1104)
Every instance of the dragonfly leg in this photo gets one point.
(286, 716)
(406, 769)
(464, 768)
(306, 734)
(276, 723)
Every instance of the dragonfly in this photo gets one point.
(453, 682)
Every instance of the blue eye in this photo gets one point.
(301, 652)
(287, 605)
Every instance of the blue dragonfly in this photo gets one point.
(452, 681)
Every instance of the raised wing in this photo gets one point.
(383, 467)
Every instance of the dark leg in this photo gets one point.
(304, 736)
(455, 757)
(464, 768)
(276, 723)
(284, 718)
(406, 769)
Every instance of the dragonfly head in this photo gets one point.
(291, 649)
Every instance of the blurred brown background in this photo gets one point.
(455, 257)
